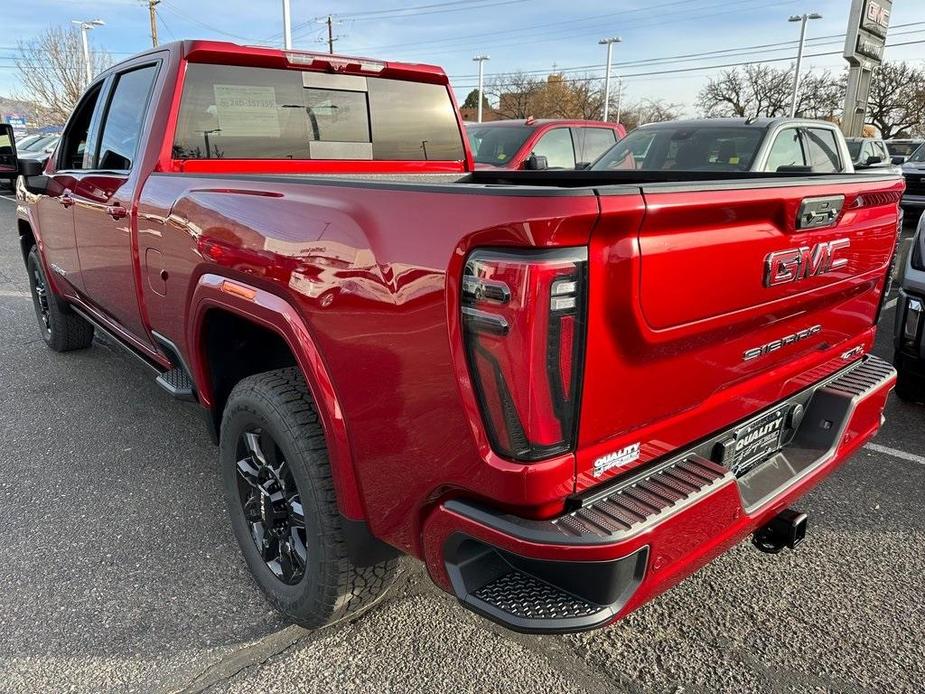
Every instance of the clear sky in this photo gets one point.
(531, 35)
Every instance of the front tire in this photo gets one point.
(282, 503)
(62, 329)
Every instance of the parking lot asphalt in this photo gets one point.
(119, 572)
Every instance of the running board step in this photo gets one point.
(178, 384)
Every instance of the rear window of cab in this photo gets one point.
(233, 112)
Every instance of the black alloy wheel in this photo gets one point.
(40, 298)
(272, 505)
(62, 329)
(284, 512)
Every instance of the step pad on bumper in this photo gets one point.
(620, 511)
(644, 498)
(860, 382)
(522, 595)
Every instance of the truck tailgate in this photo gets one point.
(720, 304)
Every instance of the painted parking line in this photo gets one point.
(6, 197)
(890, 304)
(896, 453)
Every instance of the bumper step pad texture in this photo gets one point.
(643, 499)
(521, 595)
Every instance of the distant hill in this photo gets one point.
(25, 108)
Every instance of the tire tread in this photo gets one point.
(347, 589)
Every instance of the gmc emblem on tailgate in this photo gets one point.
(798, 264)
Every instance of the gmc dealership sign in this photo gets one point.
(876, 18)
(865, 40)
(867, 27)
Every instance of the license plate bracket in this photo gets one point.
(758, 440)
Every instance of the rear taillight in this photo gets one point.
(523, 324)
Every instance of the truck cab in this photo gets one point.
(534, 144)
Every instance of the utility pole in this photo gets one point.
(85, 26)
(287, 26)
(802, 18)
(152, 5)
(480, 59)
(609, 43)
(619, 98)
(330, 23)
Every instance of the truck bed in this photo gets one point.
(374, 264)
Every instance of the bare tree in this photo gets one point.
(726, 96)
(897, 99)
(52, 73)
(649, 111)
(761, 90)
(587, 97)
(822, 95)
(515, 94)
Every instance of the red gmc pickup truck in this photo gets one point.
(564, 392)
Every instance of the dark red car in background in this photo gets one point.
(541, 143)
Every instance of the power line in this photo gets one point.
(187, 17)
(686, 57)
(676, 71)
(399, 13)
(531, 27)
(449, 45)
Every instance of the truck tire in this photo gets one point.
(62, 329)
(910, 383)
(274, 465)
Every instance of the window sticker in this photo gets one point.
(245, 111)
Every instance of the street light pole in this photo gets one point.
(85, 26)
(287, 26)
(480, 59)
(803, 18)
(609, 42)
(619, 98)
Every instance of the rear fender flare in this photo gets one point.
(275, 313)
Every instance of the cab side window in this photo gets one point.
(557, 147)
(74, 152)
(124, 118)
(786, 151)
(822, 150)
(591, 143)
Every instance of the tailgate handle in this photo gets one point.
(819, 212)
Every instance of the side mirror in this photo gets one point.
(8, 161)
(898, 160)
(873, 159)
(31, 167)
(535, 163)
(582, 166)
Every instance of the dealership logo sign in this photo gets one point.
(876, 18)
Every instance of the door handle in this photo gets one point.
(116, 211)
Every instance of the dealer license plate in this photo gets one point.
(758, 439)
